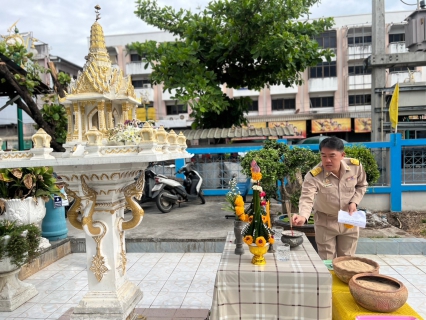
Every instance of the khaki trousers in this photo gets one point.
(334, 239)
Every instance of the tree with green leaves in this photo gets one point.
(52, 117)
(243, 44)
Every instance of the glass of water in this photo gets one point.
(283, 252)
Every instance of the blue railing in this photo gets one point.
(402, 164)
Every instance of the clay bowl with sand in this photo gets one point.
(346, 267)
(378, 293)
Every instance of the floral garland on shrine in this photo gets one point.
(257, 231)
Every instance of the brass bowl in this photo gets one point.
(346, 275)
(376, 299)
(258, 253)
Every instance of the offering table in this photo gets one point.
(295, 289)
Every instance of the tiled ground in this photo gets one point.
(177, 281)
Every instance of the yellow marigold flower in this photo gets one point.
(260, 241)
(256, 176)
(248, 240)
(348, 226)
(239, 210)
(271, 240)
(264, 219)
(243, 217)
(250, 218)
(239, 202)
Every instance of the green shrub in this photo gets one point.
(366, 157)
(19, 243)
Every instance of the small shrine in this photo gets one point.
(101, 97)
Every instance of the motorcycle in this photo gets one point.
(173, 192)
(149, 193)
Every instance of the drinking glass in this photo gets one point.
(283, 252)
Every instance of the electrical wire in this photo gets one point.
(408, 4)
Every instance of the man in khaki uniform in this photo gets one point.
(337, 183)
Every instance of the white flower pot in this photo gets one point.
(14, 292)
(25, 211)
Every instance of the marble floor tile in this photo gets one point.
(408, 270)
(205, 276)
(177, 286)
(387, 271)
(187, 267)
(201, 287)
(61, 310)
(163, 274)
(197, 300)
(164, 300)
(73, 284)
(43, 275)
(395, 260)
(67, 275)
(180, 275)
(150, 285)
(75, 299)
(18, 311)
(40, 311)
(59, 296)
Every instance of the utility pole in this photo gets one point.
(378, 75)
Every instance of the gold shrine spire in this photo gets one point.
(99, 76)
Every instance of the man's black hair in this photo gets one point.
(332, 143)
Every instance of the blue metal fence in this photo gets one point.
(402, 164)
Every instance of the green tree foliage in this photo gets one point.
(243, 44)
(56, 116)
(52, 118)
(280, 162)
(366, 157)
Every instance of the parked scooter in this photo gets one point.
(172, 192)
(149, 193)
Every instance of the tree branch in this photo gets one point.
(59, 88)
(33, 109)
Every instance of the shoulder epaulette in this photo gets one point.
(316, 171)
(355, 162)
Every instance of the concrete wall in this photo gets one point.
(411, 201)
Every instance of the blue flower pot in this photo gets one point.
(54, 225)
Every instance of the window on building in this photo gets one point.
(283, 104)
(359, 40)
(176, 109)
(360, 99)
(327, 39)
(355, 70)
(401, 69)
(141, 83)
(323, 70)
(134, 57)
(254, 106)
(322, 102)
(397, 37)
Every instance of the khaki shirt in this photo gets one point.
(328, 193)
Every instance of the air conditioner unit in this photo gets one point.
(173, 118)
(183, 116)
(146, 85)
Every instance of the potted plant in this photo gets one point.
(23, 192)
(19, 244)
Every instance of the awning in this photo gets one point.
(237, 132)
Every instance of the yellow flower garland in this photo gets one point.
(248, 240)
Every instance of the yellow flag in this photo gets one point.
(393, 107)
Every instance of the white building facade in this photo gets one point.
(334, 99)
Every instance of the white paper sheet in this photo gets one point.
(356, 219)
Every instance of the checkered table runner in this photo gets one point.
(294, 290)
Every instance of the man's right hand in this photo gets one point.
(298, 220)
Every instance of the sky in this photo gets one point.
(65, 24)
